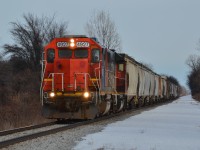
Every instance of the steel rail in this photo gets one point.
(7, 132)
(13, 141)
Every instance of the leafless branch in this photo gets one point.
(193, 62)
(102, 27)
(32, 36)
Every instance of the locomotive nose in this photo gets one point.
(79, 74)
(75, 74)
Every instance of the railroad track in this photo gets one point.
(6, 136)
(63, 127)
(13, 131)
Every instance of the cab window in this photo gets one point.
(50, 55)
(65, 53)
(81, 53)
(95, 55)
(121, 67)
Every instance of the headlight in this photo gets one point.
(86, 94)
(52, 94)
(72, 40)
(72, 44)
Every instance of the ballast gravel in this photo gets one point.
(28, 132)
(65, 140)
(60, 141)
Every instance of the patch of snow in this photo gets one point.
(174, 126)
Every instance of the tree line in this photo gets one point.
(193, 78)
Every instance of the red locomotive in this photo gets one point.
(81, 79)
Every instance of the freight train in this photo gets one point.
(82, 80)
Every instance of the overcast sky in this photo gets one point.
(160, 32)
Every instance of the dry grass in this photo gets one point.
(20, 112)
(19, 95)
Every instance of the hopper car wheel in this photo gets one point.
(141, 102)
(131, 104)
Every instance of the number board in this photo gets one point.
(82, 44)
(62, 44)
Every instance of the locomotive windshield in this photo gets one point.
(65, 53)
(81, 53)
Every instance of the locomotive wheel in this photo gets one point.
(151, 101)
(146, 101)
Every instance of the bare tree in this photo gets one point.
(103, 28)
(31, 37)
(193, 80)
(193, 62)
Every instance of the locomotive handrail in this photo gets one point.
(85, 84)
(42, 77)
(99, 83)
(52, 74)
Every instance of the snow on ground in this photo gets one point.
(175, 126)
